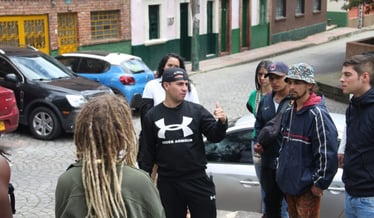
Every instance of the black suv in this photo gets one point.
(48, 94)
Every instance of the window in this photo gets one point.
(299, 8)
(154, 20)
(234, 148)
(281, 9)
(317, 6)
(105, 25)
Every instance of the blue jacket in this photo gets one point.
(308, 153)
(358, 173)
(266, 111)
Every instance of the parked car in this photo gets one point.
(230, 164)
(9, 114)
(48, 94)
(124, 74)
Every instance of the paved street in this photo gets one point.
(37, 164)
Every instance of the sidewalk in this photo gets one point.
(275, 49)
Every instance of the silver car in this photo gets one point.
(230, 164)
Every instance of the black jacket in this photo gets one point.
(266, 111)
(358, 174)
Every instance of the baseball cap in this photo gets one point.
(301, 71)
(171, 74)
(277, 68)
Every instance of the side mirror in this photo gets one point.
(11, 77)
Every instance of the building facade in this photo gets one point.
(296, 19)
(152, 28)
(225, 26)
(341, 14)
(58, 26)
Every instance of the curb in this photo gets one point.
(303, 43)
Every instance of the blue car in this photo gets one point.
(124, 74)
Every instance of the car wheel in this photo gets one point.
(44, 124)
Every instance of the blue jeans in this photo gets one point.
(359, 207)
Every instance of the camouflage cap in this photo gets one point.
(301, 71)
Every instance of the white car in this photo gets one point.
(231, 166)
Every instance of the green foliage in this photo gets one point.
(355, 3)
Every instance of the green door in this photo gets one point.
(185, 44)
(245, 24)
(223, 25)
(211, 42)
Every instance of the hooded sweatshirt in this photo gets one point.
(308, 153)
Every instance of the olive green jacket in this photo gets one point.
(139, 193)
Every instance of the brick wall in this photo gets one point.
(81, 7)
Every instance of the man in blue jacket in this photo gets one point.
(308, 158)
(357, 78)
(272, 103)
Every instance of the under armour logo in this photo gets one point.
(174, 127)
(212, 197)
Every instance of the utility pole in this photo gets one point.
(195, 8)
(360, 13)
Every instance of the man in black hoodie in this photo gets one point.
(173, 132)
(358, 175)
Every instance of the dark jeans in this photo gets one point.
(273, 195)
(198, 195)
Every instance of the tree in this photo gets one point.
(356, 3)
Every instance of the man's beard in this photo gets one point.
(296, 97)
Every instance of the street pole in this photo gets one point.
(360, 14)
(195, 8)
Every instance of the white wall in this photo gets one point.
(170, 19)
(255, 10)
(336, 6)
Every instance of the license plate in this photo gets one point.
(2, 126)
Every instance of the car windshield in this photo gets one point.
(134, 66)
(40, 68)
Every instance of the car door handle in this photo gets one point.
(248, 182)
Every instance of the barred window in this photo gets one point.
(154, 21)
(299, 8)
(317, 6)
(105, 25)
(281, 9)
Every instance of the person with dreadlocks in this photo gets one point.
(105, 182)
(5, 206)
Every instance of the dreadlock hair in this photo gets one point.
(105, 140)
(4, 152)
